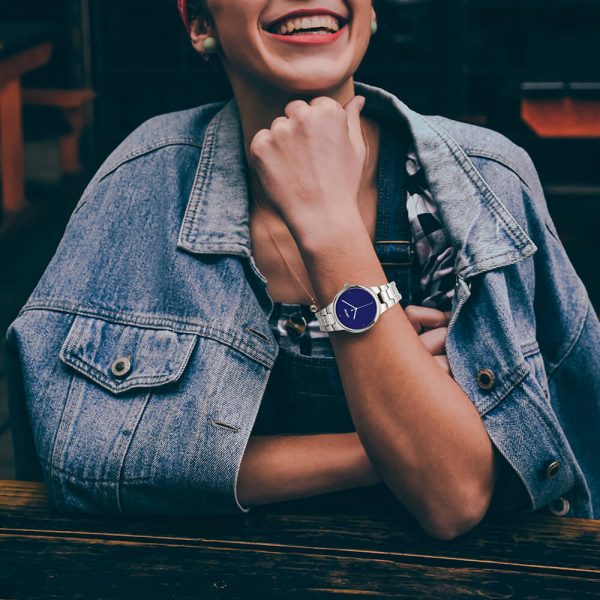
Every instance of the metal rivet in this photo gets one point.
(295, 324)
(486, 378)
(121, 366)
(552, 469)
(559, 507)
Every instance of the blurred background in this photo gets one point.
(77, 76)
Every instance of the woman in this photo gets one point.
(146, 384)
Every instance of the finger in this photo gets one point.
(353, 108)
(434, 340)
(424, 317)
(414, 321)
(279, 120)
(294, 107)
(442, 360)
(321, 99)
(259, 144)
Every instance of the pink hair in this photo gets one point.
(183, 11)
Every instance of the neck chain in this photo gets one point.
(313, 307)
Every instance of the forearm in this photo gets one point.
(285, 467)
(423, 434)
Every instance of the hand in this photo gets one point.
(310, 162)
(431, 325)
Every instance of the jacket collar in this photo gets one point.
(483, 232)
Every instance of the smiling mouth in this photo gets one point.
(307, 25)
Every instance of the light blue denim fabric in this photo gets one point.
(155, 264)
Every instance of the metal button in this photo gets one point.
(552, 469)
(559, 507)
(121, 366)
(486, 378)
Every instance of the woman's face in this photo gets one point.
(251, 51)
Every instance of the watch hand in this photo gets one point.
(348, 303)
(368, 304)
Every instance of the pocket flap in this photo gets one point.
(120, 357)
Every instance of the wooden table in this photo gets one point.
(23, 47)
(346, 544)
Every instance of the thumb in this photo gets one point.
(353, 108)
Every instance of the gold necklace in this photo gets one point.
(314, 306)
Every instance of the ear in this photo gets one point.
(200, 29)
(373, 15)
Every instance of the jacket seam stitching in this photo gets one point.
(205, 330)
(54, 468)
(146, 150)
(576, 338)
(120, 478)
(104, 314)
(499, 159)
(200, 180)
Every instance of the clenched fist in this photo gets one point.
(310, 161)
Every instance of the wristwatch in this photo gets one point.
(356, 308)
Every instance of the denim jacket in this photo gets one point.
(137, 366)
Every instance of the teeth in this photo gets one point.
(320, 21)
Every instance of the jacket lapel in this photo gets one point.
(216, 219)
(483, 232)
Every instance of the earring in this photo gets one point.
(210, 45)
(373, 26)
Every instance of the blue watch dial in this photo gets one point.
(355, 308)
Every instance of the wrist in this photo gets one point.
(330, 233)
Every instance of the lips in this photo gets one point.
(305, 12)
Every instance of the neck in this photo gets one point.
(258, 109)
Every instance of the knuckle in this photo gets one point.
(335, 109)
(327, 105)
(294, 106)
(278, 121)
(259, 143)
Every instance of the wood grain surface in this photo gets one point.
(360, 542)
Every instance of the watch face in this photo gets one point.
(355, 308)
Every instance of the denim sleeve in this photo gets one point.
(27, 464)
(118, 420)
(533, 325)
(574, 388)
(570, 341)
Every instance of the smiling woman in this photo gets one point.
(313, 288)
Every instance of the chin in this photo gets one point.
(311, 82)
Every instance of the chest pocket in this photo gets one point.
(121, 357)
(114, 369)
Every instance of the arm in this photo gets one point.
(423, 434)
(278, 468)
